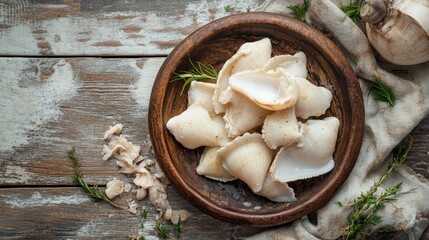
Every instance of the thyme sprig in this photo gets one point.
(227, 8)
(364, 207)
(381, 92)
(177, 228)
(199, 72)
(299, 10)
(94, 191)
(352, 10)
(161, 230)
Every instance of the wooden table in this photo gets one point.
(69, 70)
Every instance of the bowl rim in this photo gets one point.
(157, 126)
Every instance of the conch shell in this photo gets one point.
(247, 158)
(295, 65)
(313, 100)
(211, 166)
(251, 55)
(313, 154)
(276, 191)
(270, 90)
(194, 128)
(241, 114)
(202, 93)
(398, 29)
(281, 128)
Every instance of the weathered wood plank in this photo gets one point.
(52, 104)
(89, 28)
(60, 213)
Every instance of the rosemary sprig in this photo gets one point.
(199, 72)
(381, 92)
(143, 213)
(161, 230)
(299, 10)
(352, 10)
(365, 206)
(94, 191)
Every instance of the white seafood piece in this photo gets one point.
(126, 167)
(312, 156)
(281, 128)
(110, 152)
(276, 191)
(313, 100)
(132, 207)
(295, 65)
(251, 55)
(247, 158)
(184, 214)
(141, 194)
(143, 178)
(202, 93)
(114, 188)
(194, 128)
(270, 90)
(211, 166)
(115, 130)
(241, 114)
(158, 195)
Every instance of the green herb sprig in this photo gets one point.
(381, 92)
(177, 228)
(199, 72)
(94, 191)
(352, 10)
(364, 207)
(299, 10)
(227, 8)
(161, 230)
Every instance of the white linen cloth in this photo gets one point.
(385, 127)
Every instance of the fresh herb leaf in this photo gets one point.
(381, 92)
(352, 10)
(227, 8)
(161, 230)
(339, 203)
(365, 207)
(199, 72)
(143, 213)
(299, 10)
(94, 191)
(142, 224)
(177, 228)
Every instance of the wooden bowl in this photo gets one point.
(213, 44)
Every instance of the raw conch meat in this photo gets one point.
(241, 113)
(211, 166)
(194, 128)
(295, 65)
(249, 123)
(313, 101)
(281, 128)
(251, 55)
(276, 190)
(270, 90)
(312, 156)
(202, 93)
(247, 158)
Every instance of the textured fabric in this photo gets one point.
(385, 127)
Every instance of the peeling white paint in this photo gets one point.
(37, 199)
(85, 33)
(27, 102)
(142, 88)
(14, 175)
(87, 230)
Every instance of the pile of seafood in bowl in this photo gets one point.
(260, 122)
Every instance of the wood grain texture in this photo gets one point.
(68, 213)
(111, 27)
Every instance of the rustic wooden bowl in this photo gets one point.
(213, 44)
